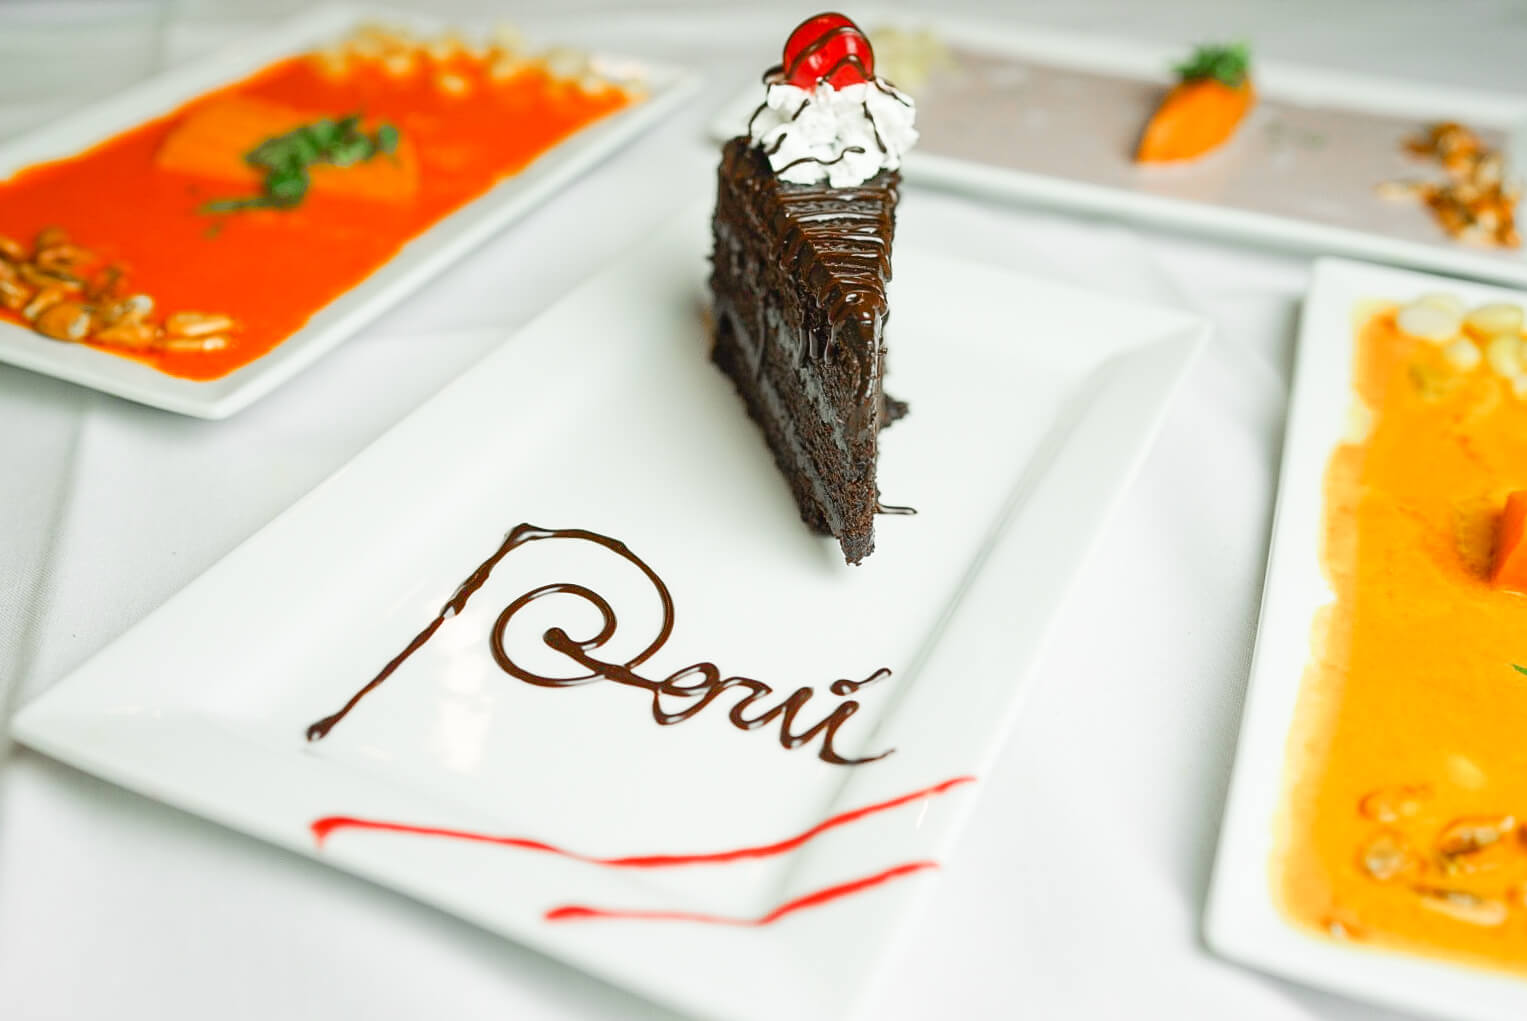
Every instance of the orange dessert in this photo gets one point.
(199, 241)
(1404, 821)
(1200, 113)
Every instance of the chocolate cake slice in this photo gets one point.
(798, 276)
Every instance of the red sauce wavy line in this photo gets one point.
(323, 828)
(581, 913)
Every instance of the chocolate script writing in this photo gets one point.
(675, 698)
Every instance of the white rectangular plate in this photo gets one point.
(1242, 921)
(1027, 422)
(418, 260)
(1287, 179)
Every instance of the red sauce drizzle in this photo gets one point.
(323, 828)
(581, 913)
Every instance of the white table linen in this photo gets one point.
(1076, 891)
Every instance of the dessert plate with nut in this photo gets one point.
(200, 238)
(1375, 838)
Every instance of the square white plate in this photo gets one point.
(1303, 195)
(1241, 919)
(1027, 422)
(418, 260)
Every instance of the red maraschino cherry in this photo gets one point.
(830, 47)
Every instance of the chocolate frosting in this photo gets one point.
(837, 240)
(800, 275)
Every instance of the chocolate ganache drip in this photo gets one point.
(675, 698)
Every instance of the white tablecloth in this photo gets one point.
(1077, 889)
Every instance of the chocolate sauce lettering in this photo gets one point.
(675, 698)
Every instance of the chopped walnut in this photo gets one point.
(1476, 203)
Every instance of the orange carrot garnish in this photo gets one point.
(1202, 111)
(1510, 570)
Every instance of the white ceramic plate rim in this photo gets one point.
(1241, 920)
(419, 260)
(1277, 80)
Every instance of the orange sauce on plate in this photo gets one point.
(273, 269)
(1404, 821)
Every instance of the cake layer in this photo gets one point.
(799, 274)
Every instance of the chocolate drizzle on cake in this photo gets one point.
(839, 158)
(893, 509)
(799, 279)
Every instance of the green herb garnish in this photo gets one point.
(387, 139)
(1226, 64)
(1519, 669)
(286, 159)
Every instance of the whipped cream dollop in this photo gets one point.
(841, 136)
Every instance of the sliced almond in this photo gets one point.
(197, 324)
(1386, 856)
(507, 66)
(1443, 301)
(134, 335)
(1393, 803)
(45, 279)
(1504, 354)
(66, 320)
(63, 258)
(1497, 317)
(1461, 354)
(565, 62)
(1428, 322)
(445, 46)
(333, 62)
(507, 39)
(400, 63)
(186, 345)
(43, 300)
(133, 309)
(1472, 834)
(453, 84)
(14, 295)
(1462, 906)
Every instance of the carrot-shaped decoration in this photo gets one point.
(1510, 568)
(1203, 109)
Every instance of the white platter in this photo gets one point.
(1350, 221)
(1241, 920)
(606, 414)
(418, 260)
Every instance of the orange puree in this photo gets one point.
(211, 142)
(1404, 821)
(273, 269)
